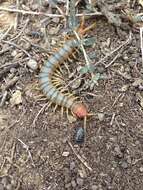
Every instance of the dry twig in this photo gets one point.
(18, 47)
(79, 157)
(45, 14)
(36, 117)
(27, 149)
(141, 42)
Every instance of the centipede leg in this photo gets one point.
(57, 71)
(57, 75)
(74, 55)
(70, 60)
(66, 66)
(62, 89)
(48, 105)
(60, 69)
(56, 82)
(55, 108)
(55, 79)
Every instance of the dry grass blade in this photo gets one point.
(46, 14)
(115, 50)
(79, 157)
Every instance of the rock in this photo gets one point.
(137, 82)
(32, 64)
(124, 165)
(1, 187)
(16, 98)
(141, 169)
(9, 187)
(76, 84)
(68, 185)
(79, 136)
(82, 173)
(56, 20)
(101, 116)
(79, 181)
(27, 46)
(72, 165)
(94, 187)
(118, 152)
(14, 53)
(73, 183)
(124, 88)
(53, 30)
(65, 154)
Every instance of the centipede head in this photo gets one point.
(79, 110)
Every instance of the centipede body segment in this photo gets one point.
(54, 94)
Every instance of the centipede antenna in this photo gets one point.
(84, 125)
(88, 28)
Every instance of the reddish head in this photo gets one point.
(79, 110)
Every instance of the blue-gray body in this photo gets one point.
(47, 70)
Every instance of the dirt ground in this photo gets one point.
(38, 150)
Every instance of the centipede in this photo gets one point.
(49, 80)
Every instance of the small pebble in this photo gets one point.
(141, 169)
(14, 53)
(27, 46)
(16, 98)
(56, 20)
(118, 152)
(79, 136)
(124, 88)
(94, 187)
(65, 154)
(32, 64)
(79, 181)
(13, 70)
(76, 84)
(68, 185)
(124, 165)
(9, 187)
(1, 187)
(72, 165)
(101, 116)
(73, 183)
